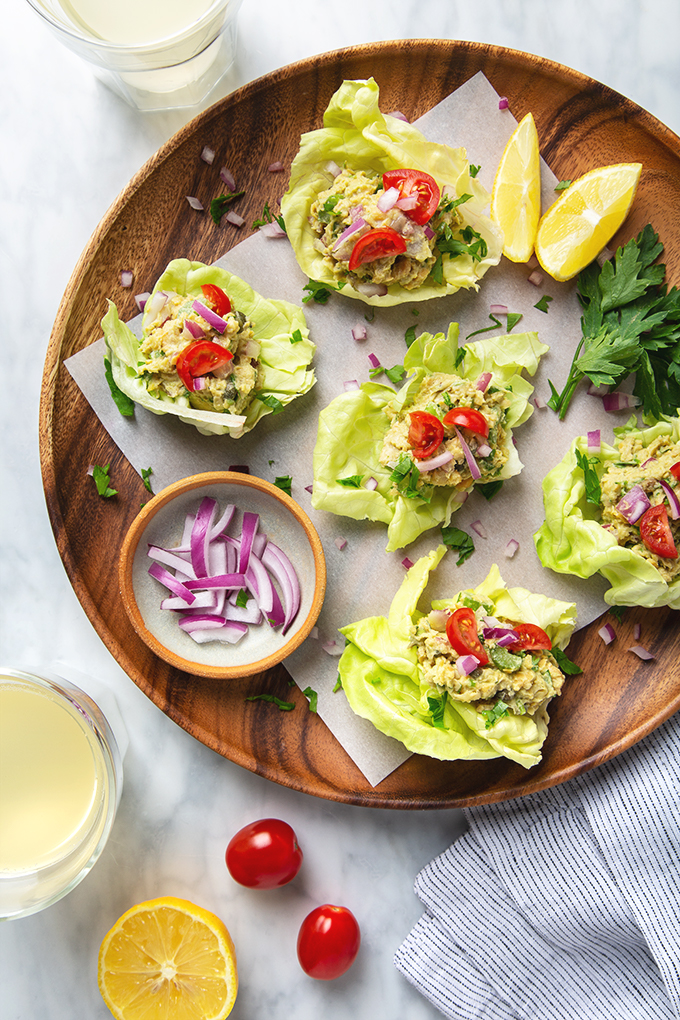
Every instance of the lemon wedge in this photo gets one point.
(516, 193)
(584, 218)
(167, 959)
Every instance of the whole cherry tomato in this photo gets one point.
(531, 638)
(416, 182)
(376, 244)
(461, 630)
(200, 358)
(217, 298)
(425, 433)
(656, 533)
(468, 418)
(328, 942)
(264, 854)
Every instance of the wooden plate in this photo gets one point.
(581, 124)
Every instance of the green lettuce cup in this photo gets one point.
(349, 478)
(270, 352)
(385, 683)
(584, 533)
(454, 248)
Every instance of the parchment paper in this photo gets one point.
(362, 578)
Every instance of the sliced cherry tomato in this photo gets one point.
(675, 470)
(416, 182)
(264, 854)
(217, 298)
(469, 418)
(425, 434)
(376, 244)
(531, 638)
(461, 630)
(655, 532)
(200, 358)
(328, 942)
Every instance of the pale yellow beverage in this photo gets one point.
(135, 22)
(57, 790)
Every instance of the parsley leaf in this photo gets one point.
(125, 405)
(410, 335)
(562, 186)
(618, 612)
(284, 706)
(542, 303)
(489, 489)
(284, 482)
(338, 685)
(460, 541)
(242, 598)
(395, 374)
(593, 488)
(496, 323)
(568, 667)
(320, 292)
(512, 320)
(352, 481)
(101, 480)
(436, 707)
(268, 217)
(312, 698)
(271, 401)
(406, 477)
(469, 242)
(474, 170)
(219, 205)
(295, 336)
(146, 475)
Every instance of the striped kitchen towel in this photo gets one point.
(562, 905)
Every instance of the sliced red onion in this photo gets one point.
(309, 488)
(228, 178)
(499, 631)
(359, 332)
(371, 484)
(358, 224)
(356, 211)
(607, 633)
(650, 460)
(278, 564)
(371, 289)
(341, 543)
(398, 116)
(250, 613)
(637, 631)
(503, 103)
(208, 154)
(535, 277)
(479, 528)
(471, 462)
(511, 548)
(229, 581)
(212, 318)
(233, 217)
(201, 621)
(673, 501)
(466, 664)
(594, 442)
(259, 583)
(407, 203)
(498, 309)
(333, 168)
(434, 462)
(273, 229)
(332, 648)
(275, 167)
(484, 450)
(231, 632)
(641, 652)
(483, 381)
(193, 329)
(374, 360)
(633, 504)
(141, 299)
(171, 558)
(195, 203)
(248, 532)
(539, 402)
(407, 563)
(126, 278)
(202, 600)
(200, 535)
(619, 401)
(156, 304)
(171, 582)
(388, 199)
(508, 638)
(276, 615)
(224, 521)
(351, 384)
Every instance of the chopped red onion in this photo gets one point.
(156, 304)
(633, 504)
(314, 633)
(309, 488)
(388, 199)
(341, 543)
(483, 450)
(471, 462)
(332, 648)
(359, 332)
(333, 168)
(233, 217)
(503, 103)
(141, 299)
(358, 224)
(371, 484)
(539, 402)
(407, 563)
(607, 633)
(535, 277)
(641, 652)
(649, 460)
(434, 462)
(498, 309)
(212, 318)
(371, 289)
(428, 231)
(508, 637)
(478, 527)
(351, 384)
(195, 331)
(228, 178)
(126, 278)
(619, 401)
(511, 548)
(198, 383)
(275, 167)
(483, 381)
(673, 501)
(466, 664)
(594, 441)
(374, 360)
(637, 631)
(208, 154)
(398, 116)
(195, 203)
(407, 203)
(273, 229)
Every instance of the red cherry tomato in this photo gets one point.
(656, 533)
(461, 630)
(200, 358)
(468, 418)
(675, 470)
(376, 244)
(425, 433)
(264, 854)
(328, 942)
(416, 182)
(531, 638)
(217, 298)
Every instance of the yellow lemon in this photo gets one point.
(584, 218)
(168, 959)
(516, 193)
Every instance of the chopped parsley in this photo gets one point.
(283, 706)
(284, 482)
(474, 170)
(101, 480)
(406, 477)
(568, 667)
(448, 204)
(469, 242)
(219, 205)
(495, 324)
(351, 482)
(459, 541)
(295, 336)
(562, 186)
(338, 685)
(326, 213)
(320, 292)
(618, 612)
(271, 401)
(512, 320)
(242, 598)
(312, 698)
(489, 489)
(493, 715)
(268, 217)
(542, 303)
(146, 475)
(437, 707)
(590, 477)
(125, 405)
(410, 335)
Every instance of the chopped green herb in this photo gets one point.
(351, 482)
(590, 477)
(325, 214)
(415, 311)
(268, 217)
(493, 715)
(410, 335)
(146, 475)
(406, 477)
(284, 482)
(512, 320)
(448, 204)
(542, 303)
(437, 707)
(125, 405)
(271, 401)
(474, 170)
(459, 541)
(562, 186)
(470, 242)
(284, 706)
(568, 667)
(101, 480)
(496, 324)
(395, 374)
(618, 612)
(295, 336)
(489, 489)
(312, 698)
(242, 598)
(338, 685)
(219, 205)
(460, 355)
(320, 292)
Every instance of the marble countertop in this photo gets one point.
(69, 146)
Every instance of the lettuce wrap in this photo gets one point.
(357, 136)
(572, 539)
(382, 680)
(353, 426)
(278, 327)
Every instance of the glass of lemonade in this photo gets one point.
(156, 54)
(60, 782)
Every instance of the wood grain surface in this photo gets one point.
(582, 124)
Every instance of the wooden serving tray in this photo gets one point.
(581, 124)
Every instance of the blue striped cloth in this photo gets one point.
(563, 904)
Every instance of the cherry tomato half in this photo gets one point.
(264, 854)
(468, 418)
(675, 470)
(376, 244)
(461, 630)
(531, 638)
(200, 358)
(217, 298)
(416, 182)
(328, 942)
(656, 533)
(425, 433)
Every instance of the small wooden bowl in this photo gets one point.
(160, 522)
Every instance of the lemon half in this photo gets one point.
(167, 959)
(516, 193)
(584, 218)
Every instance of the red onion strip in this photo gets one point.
(673, 501)
(471, 462)
(434, 462)
(276, 561)
(212, 318)
(607, 633)
(641, 652)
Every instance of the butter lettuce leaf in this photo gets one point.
(381, 679)
(572, 541)
(358, 136)
(287, 371)
(353, 426)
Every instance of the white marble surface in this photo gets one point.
(68, 147)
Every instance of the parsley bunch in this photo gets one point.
(630, 324)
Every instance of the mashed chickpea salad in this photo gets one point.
(376, 210)
(212, 351)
